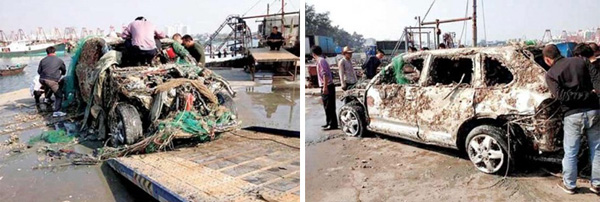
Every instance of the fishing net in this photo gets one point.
(202, 128)
(53, 136)
(70, 86)
(395, 73)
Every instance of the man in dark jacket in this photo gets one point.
(370, 67)
(195, 48)
(51, 69)
(275, 39)
(570, 82)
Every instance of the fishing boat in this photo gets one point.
(12, 69)
(29, 48)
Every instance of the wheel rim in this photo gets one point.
(119, 130)
(350, 124)
(486, 153)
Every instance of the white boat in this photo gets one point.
(28, 48)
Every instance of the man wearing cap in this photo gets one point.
(275, 39)
(347, 74)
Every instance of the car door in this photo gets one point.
(445, 99)
(392, 108)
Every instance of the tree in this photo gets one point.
(320, 24)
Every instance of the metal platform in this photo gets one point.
(240, 166)
(265, 55)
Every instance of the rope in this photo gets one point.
(430, 6)
(251, 8)
(484, 30)
(464, 24)
(195, 83)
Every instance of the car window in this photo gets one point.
(447, 71)
(411, 70)
(496, 73)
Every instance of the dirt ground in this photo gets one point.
(391, 169)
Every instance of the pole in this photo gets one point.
(420, 41)
(437, 33)
(282, 18)
(474, 23)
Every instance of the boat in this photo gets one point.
(12, 70)
(29, 48)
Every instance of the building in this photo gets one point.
(182, 29)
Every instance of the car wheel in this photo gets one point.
(487, 149)
(126, 127)
(352, 119)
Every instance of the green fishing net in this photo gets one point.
(395, 73)
(70, 87)
(52, 136)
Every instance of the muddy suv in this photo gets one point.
(492, 103)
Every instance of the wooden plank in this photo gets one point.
(263, 166)
(267, 55)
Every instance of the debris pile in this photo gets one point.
(141, 109)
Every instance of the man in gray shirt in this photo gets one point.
(51, 70)
(347, 74)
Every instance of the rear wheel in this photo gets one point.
(352, 119)
(488, 149)
(126, 127)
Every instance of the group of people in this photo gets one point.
(575, 83)
(348, 78)
(142, 39)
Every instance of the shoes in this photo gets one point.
(330, 128)
(325, 126)
(48, 101)
(58, 114)
(595, 189)
(562, 186)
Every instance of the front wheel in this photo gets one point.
(352, 119)
(488, 149)
(126, 125)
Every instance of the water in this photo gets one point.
(24, 79)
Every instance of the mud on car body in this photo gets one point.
(492, 103)
(127, 102)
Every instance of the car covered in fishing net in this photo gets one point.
(148, 105)
(492, 103)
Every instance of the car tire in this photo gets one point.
(487, 149)
(127, 125)
(352, 119)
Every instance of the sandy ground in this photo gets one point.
(392, 169)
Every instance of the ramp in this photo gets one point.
(240, 166)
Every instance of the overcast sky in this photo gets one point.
(203, 16)
(504, 19)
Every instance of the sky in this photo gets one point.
(203, 16)
(504, 19)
